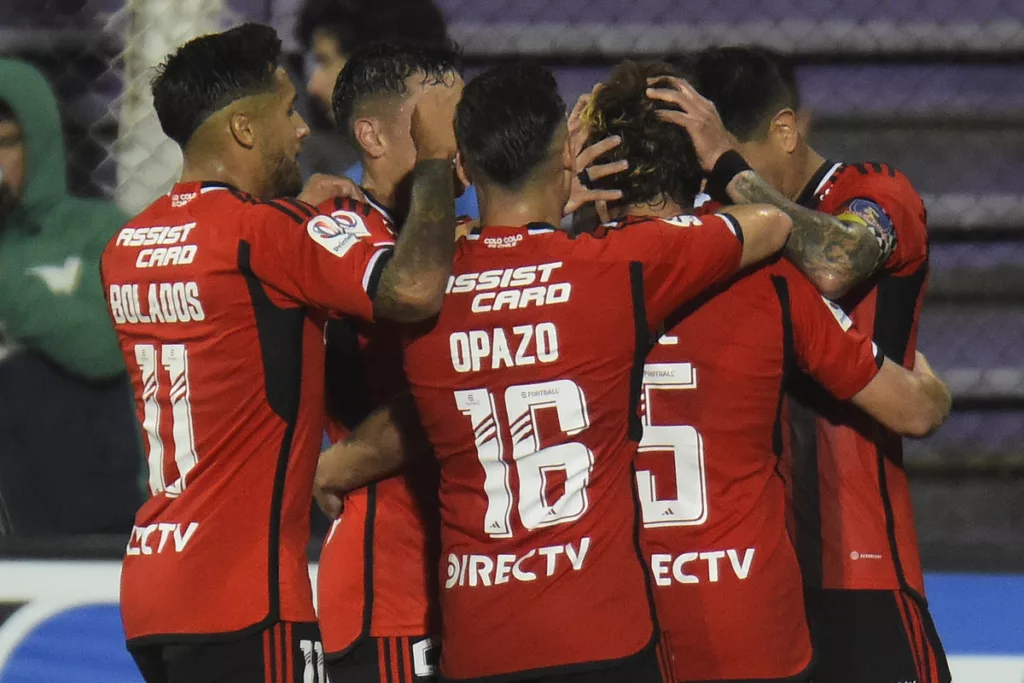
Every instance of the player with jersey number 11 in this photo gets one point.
(219, 292)
(527, 387)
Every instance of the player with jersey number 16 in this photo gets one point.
(219, 294)
(527, 386)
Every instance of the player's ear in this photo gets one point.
(367, 133)
(242, 129)
(785, 130)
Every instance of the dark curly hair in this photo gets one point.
(662, 161)
(210, 72)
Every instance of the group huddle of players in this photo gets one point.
(645, 448)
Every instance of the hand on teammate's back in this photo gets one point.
(433, 130)
(320, 187)
(696, 114)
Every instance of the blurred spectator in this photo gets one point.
(331, 30)
(69, 447)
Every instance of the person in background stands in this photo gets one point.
(69, 448)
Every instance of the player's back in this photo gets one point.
(854, 520)
(528, 386)
(231, 443)
(712, 498)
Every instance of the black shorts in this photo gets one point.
(410, 659)
(874, 636)
(650, 665)
(284, 653)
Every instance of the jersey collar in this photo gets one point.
(529, 228)
(810, 196)
(372, 201)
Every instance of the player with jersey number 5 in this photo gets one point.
(219, 293)
(527, 387)
(860, 234)
(712, 500)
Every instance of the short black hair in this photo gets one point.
(662, 160)
(356, 23)
(506, 120)
(7, 113)
(210, 72)
(381, 69)
(748, 86)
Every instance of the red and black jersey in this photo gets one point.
(527, 385)
(727, 581)
(852, 515)
(377, 573)
(218, 300)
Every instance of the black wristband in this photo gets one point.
(728, 166)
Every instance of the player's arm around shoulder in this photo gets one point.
(850, 366)
(910, 402)
(764, 230)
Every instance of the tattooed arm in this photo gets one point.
(834, 254)
(412, 284)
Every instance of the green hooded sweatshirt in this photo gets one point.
(51, 299)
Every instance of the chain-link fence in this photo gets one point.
(930, 86)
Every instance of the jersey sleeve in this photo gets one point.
(685, 256)
(883, 199)
(826, 345)
(315, 259)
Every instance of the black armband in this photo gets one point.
(728, 166)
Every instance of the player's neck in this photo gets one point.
(665, 208)
(807, 165)
(378, 184)
(212, 170)
(527, 205)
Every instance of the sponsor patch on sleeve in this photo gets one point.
(338, 232)
(865, 212)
